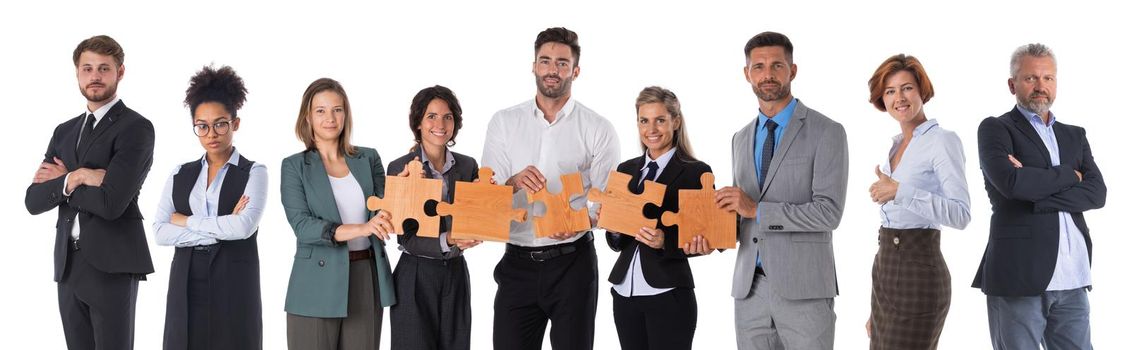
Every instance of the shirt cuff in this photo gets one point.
(66, 178)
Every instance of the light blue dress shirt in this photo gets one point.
(1072, 266)
(932, 188)
(205, 226)
(781, 119)
(635, 284)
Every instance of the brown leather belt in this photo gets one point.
(355, 255)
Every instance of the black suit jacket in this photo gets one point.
(1023, 240)
(667, 267)
(113, 235)
(465, 169)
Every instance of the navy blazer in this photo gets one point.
(1023, 238)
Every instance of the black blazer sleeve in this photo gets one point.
(1029, 183)
(1085, 195)
(45, 196)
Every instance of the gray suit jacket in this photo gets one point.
(801, 202)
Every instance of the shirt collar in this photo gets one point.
(1034, 118)
(781, 119)
(101, 111)
(450, 162)
(663, 160)
(566, 110)
(233, 159)
(922, 129)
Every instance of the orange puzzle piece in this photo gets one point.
(404, 198)
(698, 214)
(475, 213)
(559, 216)
(622, 211)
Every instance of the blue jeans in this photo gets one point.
(1056, 319)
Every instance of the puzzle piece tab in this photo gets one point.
(475, 213)
(559, 216)
(698, 214)
(405, 197)
(622, 211)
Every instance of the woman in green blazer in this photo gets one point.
(340, 267)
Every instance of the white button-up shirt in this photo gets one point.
(578, 140)
(206, 226)
(932, 189)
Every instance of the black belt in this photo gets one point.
(355, 255)
(431, 260)
(203, 248)
(540, 254)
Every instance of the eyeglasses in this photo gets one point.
(221, 128)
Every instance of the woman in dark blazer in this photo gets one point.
(341, 278)
(210, 211)
(653, 290)
(432, 282)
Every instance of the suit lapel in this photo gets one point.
(100, 128)
(68, 147)
(361, 171)
(671, 172)
(1026, 129)
(318, 178)
(745, 160)
(781, 151)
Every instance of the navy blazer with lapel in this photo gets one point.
(1023, 239)
(667, 267)
(112, 233)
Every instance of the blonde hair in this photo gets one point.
(305, 131)
(655, 94)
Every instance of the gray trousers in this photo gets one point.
(360, 330)
(765, 320)
(1055, 319)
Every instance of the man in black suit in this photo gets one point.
(93, 171)
(1040, 176)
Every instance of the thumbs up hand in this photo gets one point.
(884, 189)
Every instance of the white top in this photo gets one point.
(350, 200)
(635, 284)
(98, 114)
(206, 226)
(578, 140)
(932, 189)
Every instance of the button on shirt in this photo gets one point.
(1072, 266)
(932, 189)
(578, 140)
(98, 114)
(635, 284)
(206, 226)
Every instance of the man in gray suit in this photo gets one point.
(790, 172)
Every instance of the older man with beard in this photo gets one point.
(790, 180)
(530, 146)
(1040, 176)
(92, 171)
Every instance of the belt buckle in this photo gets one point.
(533, 255)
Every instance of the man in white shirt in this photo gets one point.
(92, 171)
(529, 146)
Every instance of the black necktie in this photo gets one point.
(768, 148)
(87, 129)
(651, 169)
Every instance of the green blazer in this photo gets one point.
(319, 280)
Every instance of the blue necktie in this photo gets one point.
(766, 150)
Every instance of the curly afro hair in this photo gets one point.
(221, 85)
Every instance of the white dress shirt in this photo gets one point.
(635, 284)
(578, 140)
(932, 189)
(206, 226)
(98, 114)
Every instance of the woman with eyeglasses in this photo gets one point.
(341, 279)
(210, 211)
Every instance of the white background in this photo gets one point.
(384, 53)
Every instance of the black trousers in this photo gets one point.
(432, 310)
(97, 308)
(653, 322)
(535, 289)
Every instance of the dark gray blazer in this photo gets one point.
(465, 169)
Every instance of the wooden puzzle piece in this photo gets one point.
(475, 213)
(405, 197)
(559, 215)
(620, 209)
(698, 214)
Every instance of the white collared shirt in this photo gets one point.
(578, 140)
(205, 226)
(98, 114)
(635, 284)
(932, 189)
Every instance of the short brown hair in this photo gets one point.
(894, 64)
(559, 35)
(102, 45)
(419, 108)
(305, 131)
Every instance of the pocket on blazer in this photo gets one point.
(304, 253)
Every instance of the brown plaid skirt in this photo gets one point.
(911, 291)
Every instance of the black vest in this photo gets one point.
(235, 312)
